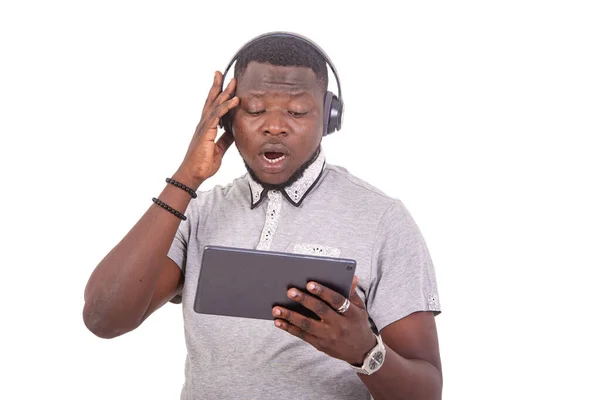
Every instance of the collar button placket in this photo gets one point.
(271, 220)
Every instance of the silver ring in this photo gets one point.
(344, 307)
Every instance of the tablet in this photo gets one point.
(249, 283)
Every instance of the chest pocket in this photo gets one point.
(314, 249)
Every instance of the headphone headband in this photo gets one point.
(293, 35)
(334, 105)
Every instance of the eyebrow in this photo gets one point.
(252, 95)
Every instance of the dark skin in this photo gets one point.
(412, 367)
(137, 277)
(280, 107)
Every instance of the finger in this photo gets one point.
(357, 301)
(354, 283)
(354, 297)
(331, 297)
(318, 306)
(306, 324)
(216, 114)
(294, 330)
(223, 143)
(213, 93)
(226, 94)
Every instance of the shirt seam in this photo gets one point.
(385, 196)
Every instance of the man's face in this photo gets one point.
(278, 124)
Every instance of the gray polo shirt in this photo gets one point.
(327, 212)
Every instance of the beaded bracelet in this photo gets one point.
(169, 208)
(182, 186)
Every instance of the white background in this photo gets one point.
(482, 117)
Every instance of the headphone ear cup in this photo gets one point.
(225, 122)
(332, 114)
(327, 113)
(335, 115)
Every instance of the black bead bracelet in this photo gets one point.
(169, 208)
(182, 186)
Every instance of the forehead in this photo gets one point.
(262, 79)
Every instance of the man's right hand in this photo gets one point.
(137, 276)
(204, 155)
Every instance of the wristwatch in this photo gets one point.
(373, 360)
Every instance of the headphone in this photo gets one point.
(333, 110)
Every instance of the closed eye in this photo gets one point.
(255, 113)
(297, 114)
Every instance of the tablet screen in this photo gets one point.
(249, 283)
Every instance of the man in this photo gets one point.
(291, 200)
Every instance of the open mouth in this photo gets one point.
(273, 157)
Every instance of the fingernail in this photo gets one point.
(277, 311)
(293, 293)
(312, 286)
(278, 324)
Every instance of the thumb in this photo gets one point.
(354, 284)
(354, 297)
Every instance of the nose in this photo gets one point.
(274, 123)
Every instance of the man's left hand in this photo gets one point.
(346, 336)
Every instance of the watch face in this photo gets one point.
(376, 360)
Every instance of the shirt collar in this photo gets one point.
(297, 191)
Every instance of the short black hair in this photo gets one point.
(283, 51)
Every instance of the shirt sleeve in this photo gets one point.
(403, 279)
